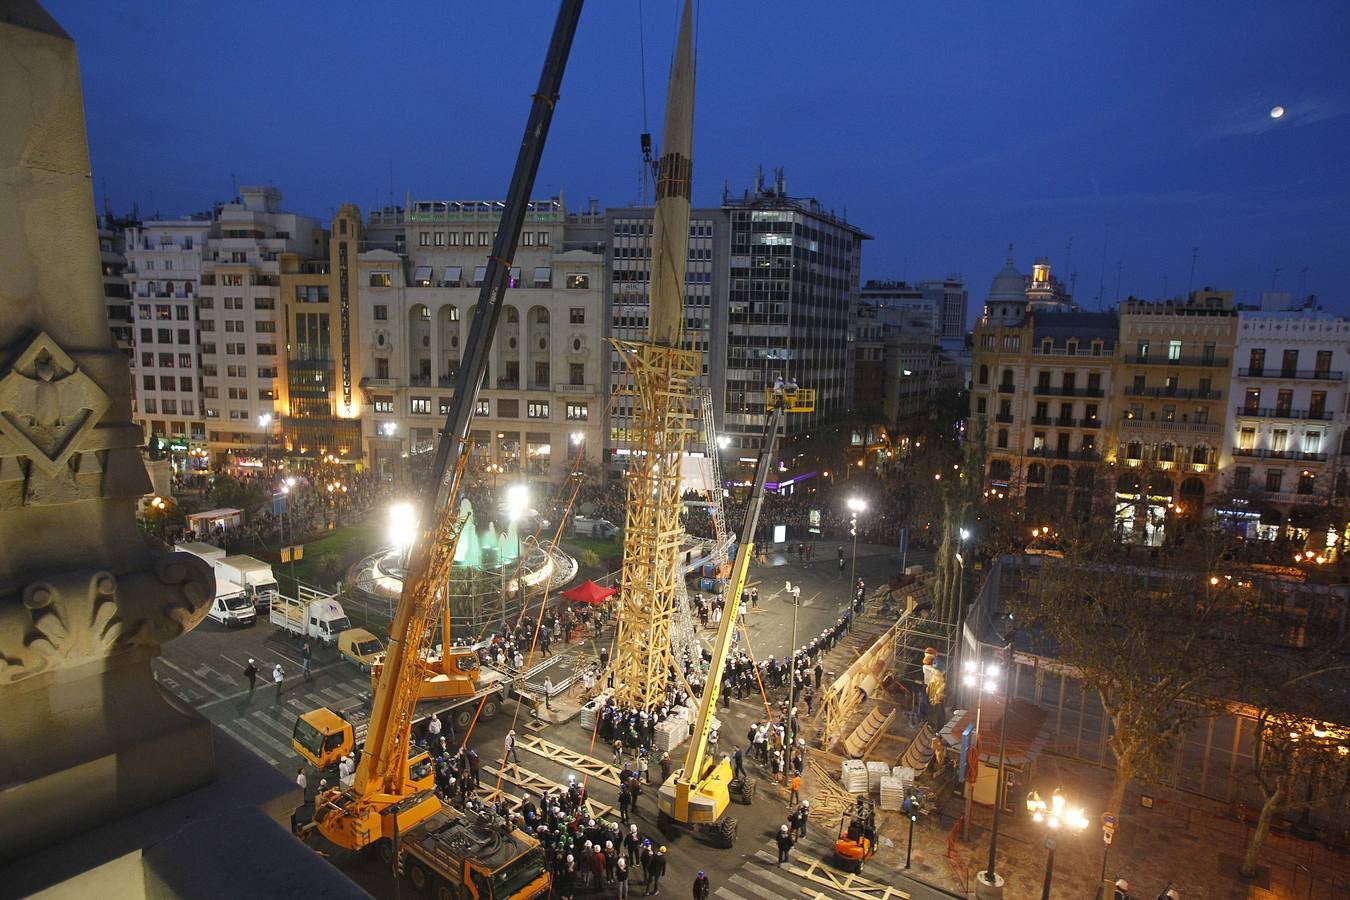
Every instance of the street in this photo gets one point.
(205, 668)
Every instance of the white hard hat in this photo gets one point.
(1122, 884)
(250, 662)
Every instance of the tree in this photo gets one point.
(1293, 748)
(233, 493)
(1162, 650)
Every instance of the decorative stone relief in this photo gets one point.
(48, 405)
(76, 617)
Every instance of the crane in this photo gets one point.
(391, 791)
(699, 791)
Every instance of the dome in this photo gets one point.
(1008, 284)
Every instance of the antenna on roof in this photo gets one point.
(1190, 282)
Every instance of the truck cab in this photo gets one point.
(323, 737)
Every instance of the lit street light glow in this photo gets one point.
(402, 524)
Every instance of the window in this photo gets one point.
(265, 327)
(1317, 405)
(304, 293)
(236, 280)
(578, 282)
(180, 313)
(1312, 441)
(984, 374)
(266, 394)
(543, 276)
(1284, 402)
(1246, 438)
(211, 392)
(576, 373)
(383, 404)
(1138, 387)
(267, 371)
(1038, 440)
(380, 279)
(454, 239)
(419, 405)
(512, 315)
(238, 393)
(209, 348)
(443, 405)
(468, 239)
(184, 336)
(1242, 478)
(1323, 364)
(234, 350)
(1003, 438)
(981, 406)
(1094, 382)
(508, 409)
(576, 315)
(1273, 479)
(1042, 379)
(483, 240)
(541, 374)
(577, 412)
(147, 335)
(424, 238)
(484, 408)
(234, 326)
(164, 335)
(1143, 351)
(143, 310)
(1289, 363)
(543, 239)
(527, 239)
(422, 276)
(1305, 481)
(206, 325)
(166, 360)
(239, 415)
(382, 369)
(267, 349)
(151, 406)
(1134, 450)
(537, 409)
(148, 382)
(206, 303)
(438, 239)
(381, 312)
(1174, 351)
(1279, 440)
(185, 384)
(185, 360)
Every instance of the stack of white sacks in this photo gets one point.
(854, 776)
(895, 786)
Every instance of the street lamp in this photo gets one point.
(265, 423)
(982, 677)
(402, 526)
(1057, 817)
(855, 506)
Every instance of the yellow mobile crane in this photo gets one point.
(699, 792)
(391, 799)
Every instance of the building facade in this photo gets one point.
(242, 340)
(1284, 449)
(112, 240)
(163, 274)
(543, 399)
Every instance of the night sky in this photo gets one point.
(1113, 138)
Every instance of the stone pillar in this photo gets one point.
(86, 599)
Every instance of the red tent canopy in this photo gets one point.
(589, 592)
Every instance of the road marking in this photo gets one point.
(193, 678)
(264, 681)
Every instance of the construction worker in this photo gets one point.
(701, 887)
(658, 869)
(251, 675)
(794, 791)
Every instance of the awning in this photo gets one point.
(479, 273)
(543, 276)
(514, 280)
(453, 275)
(589, 592)
(422, 276)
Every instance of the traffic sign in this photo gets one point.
(1106, 836)
(1109, 820)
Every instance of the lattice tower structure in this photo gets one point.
(664, 419)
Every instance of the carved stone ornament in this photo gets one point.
(47, 404)
(74, 618)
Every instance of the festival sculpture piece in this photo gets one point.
(86, 599)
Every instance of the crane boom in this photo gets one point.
(692, 774)
(381, 777)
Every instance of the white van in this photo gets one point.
(232, 605)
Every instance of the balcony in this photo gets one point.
(539, 386)
(1278, 412)
(446, 381)
(1292, 455)
(1053, 453)
(1173, 393)
(1169, 425)
(1041, 420)
(1066, 421)
(1220, 362)
(508, 384)
(1005, 388)
(574, 388)
(1089, 423)
(419, 381)
(1293, 374)
(1005, 418)
(1046, 390)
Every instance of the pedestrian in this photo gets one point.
(611, 861)
(548, 692)
(701, 887)
(646, 858)
(625, 800)
(804, 813)
(621, 876)
(794, 791)
(433, 731)
(305, 656)
(300, 780)
(475, 768)
(632, 844)
(658, 870)
(666, 767)
(511, 753)
(635, 788)
(251, 676)
(618, 752)
(277, 677)
(1122, 891)
(784, 844)
(644, 767)
(738, 761)
(754, 598)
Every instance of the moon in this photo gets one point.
(1277, 112)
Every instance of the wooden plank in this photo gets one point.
(847, 882)
(584, 764)
(533, 781)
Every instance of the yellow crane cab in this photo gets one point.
(795, 399)
(323, 737)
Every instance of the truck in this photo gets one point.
(474, 854)
(231, 606)
(361, 647)
(593, 527)
(209, 552)
(254, 575)
(311, 615)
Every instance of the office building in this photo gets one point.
(543, 399)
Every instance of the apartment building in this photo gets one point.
(940, 302)
(240, 312)
(112, 240)
(1285, 451)
(163, 275)
(1172, 393)
(543, 398)
(319, 397)
(899, 364)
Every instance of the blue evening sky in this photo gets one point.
(1111, 137)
